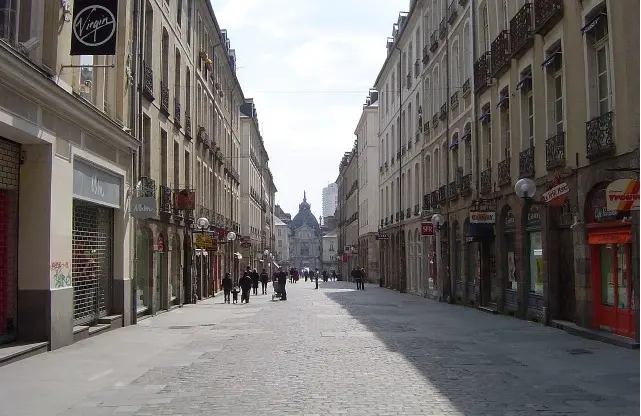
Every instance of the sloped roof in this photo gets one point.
(278, 221)
(305, 217)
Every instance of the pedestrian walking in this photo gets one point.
(245, 284)
(282, 280)
(361, 274)
(255, 280)
(227, 286)
(316, 278)
(264, 278)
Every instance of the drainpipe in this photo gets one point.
(401, 256)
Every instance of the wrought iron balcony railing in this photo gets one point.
(466, 184)
(442, 194)
(426, 202)
(164, 98)
(504, 176)
(434, 198)
(481, 72)
(452, 190)
(426, 54)
(526, 163)
(434, 41)
(443, 113)
(599, 136)
(408, 80)
(417, 68)
(417, 210)
(521, 30)
(547, 14)
(148, 82)
(426, 127)
(435, 120)
(500, 57)
(466, 88)
(486, 181)
(555, 151)
(452, 12)
(454, 100)
(187, 124)
(442, 28)
(177, 112)
(408, 213)
(204, 212)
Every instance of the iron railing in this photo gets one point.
(500, 57)
(486, 181)
(521, 30)
(526, 163)
(599, 136)
(148, 82)
(555, 151)
(547, 14)
(504, 176)
(164, 98)
(481, 72)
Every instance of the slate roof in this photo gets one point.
(305, 217)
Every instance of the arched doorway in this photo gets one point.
(143, 271)
(174, 281)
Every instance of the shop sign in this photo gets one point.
(555, 196)
(205, 241)
(185, 199)
(143, 207)
(479, 217)
(533, 217)
(510, 222)
(382, 236)
(160, 243)
(623, 195)
(427, 228)
(95, 185)
(619, 237)
(94, 27)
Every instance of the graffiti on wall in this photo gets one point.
(61, 274)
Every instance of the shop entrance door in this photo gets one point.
(159, 299)
(613, 293)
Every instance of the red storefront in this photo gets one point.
(610, 240)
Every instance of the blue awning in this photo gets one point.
(503, 101)
(454, 143)
(526, 79)
(551, 59)
(479, 232)
(485, 116)
(466, 136)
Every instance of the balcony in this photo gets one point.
(391, 219)
(417, 68)
(409, 145)
(177, 113)
(386, 221)
(522, 35)
(599, 136)
(398, 154)
(452, 191)
(500, 54)
(426, 127)
(434, 41)
(442, 194)
(408, 80)
(547, 13)
(386, 166)
(466, 88)
(452, 12)
(454, 100)
(481, 72)
(203, 212)
(148, 82)
(392, 161)
(526, 163)
(402, 217)
(435, 120)
(202, 134)
(403, 150)
(486, 181)
(462, 2)
(408, 213)
(443, 113)
(426, 54)
(426, 202)
(381, 169)
(417, 136)
(164, 98)
(434, 198)
(466, 185)
(165, 199)
(555, 151)
(187, 124)
(442, 29)
(397, 216)
(504, 176)
(417, 210)
(382, 222)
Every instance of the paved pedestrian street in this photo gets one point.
(326, 352)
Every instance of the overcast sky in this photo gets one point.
(308, 65)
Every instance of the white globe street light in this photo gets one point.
(202, 223)
(231, 236)
(437, 219)
(525, 188)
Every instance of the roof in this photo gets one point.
(278, 221)
(305, 217)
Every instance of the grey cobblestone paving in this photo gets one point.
(333, 351)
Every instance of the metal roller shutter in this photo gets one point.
(92, 261)
(9, 184)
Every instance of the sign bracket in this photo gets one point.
(87, 66)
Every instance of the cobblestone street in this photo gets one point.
(326, 352)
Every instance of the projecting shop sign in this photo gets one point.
(95, 24)
(478, 217)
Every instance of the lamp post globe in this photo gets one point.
(231, 236)
(525, 188)
(202, 223)
(437, 219)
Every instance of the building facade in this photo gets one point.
(330, 200)
(67, 171)
(367, 160)
(347, 182)
(329, 249)
(282, 234)
(305, 238)
(513, 91)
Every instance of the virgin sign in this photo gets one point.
(94, 27)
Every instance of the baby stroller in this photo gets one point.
(278, 290)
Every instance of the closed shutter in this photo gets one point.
(92, 261)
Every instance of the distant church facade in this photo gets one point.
(305, 238)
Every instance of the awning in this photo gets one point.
(525, 80)
(623, 236)
(592, 23)
(466, 135)
(479, 232)
(238, 256)
(485, 116)
(551, 59)
(503, 101)
(454, 143)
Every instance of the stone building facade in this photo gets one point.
(305, 239)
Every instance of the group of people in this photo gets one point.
(246, 284)
(358, 274)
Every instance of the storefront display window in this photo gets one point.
(607, 280)
(622, 282)
(536, 262)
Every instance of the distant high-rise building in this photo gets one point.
(330, 198)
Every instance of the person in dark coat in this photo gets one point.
(282, 280)
(264, 278)
(255, 280)
(245, 284)
(227, 285)
(316, 278)
(361, 275)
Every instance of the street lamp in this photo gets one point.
(231, 238)
(437, 221)
(202, 223)
(525, 188)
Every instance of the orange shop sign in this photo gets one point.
(480, 217)
(622, 195)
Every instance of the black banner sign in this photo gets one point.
(95, 24)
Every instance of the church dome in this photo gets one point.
(305, 217)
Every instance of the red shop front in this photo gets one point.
(610, 240)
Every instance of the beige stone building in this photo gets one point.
(347, 182)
